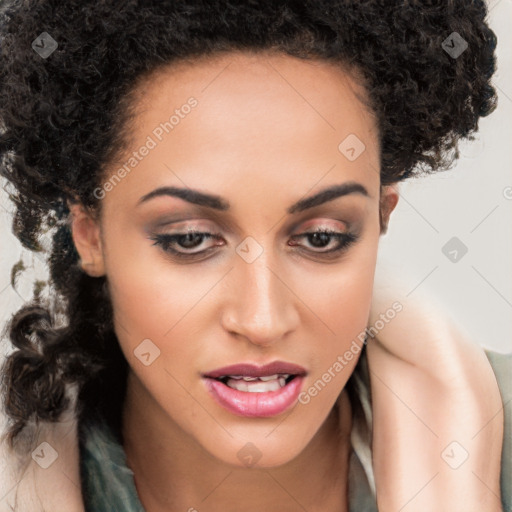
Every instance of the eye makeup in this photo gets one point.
(192, 244)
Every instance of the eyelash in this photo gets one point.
(345, 240)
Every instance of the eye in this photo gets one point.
(327, 240)
(185, 242)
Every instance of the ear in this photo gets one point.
(388, 200)
(85, 231)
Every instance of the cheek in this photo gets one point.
(155, 323)
(150, 295)
(151, 308)
(341, 294)
(342, 301)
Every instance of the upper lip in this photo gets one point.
(252, 370)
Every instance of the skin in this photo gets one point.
(265, 134)
(437, 411)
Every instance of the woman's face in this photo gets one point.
(254, 143)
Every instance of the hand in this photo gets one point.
(437, 411)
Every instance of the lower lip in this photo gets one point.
(255, 405)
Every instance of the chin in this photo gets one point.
(260, 451)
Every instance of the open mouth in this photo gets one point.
(253, 391)
(261, 384)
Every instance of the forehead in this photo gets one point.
(261, 118)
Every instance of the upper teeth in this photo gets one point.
(263, 378)
(257, 384)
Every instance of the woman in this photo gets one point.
(216, 177)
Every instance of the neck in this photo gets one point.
(173, 472)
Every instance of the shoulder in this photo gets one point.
(502, 367)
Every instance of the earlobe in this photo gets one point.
(85, 231)
(388, 200)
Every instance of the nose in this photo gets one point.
(262, 306)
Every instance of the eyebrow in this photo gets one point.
(218, 203)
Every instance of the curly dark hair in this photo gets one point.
(65, 116)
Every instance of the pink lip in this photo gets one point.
(255, 405)
(251, 370)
